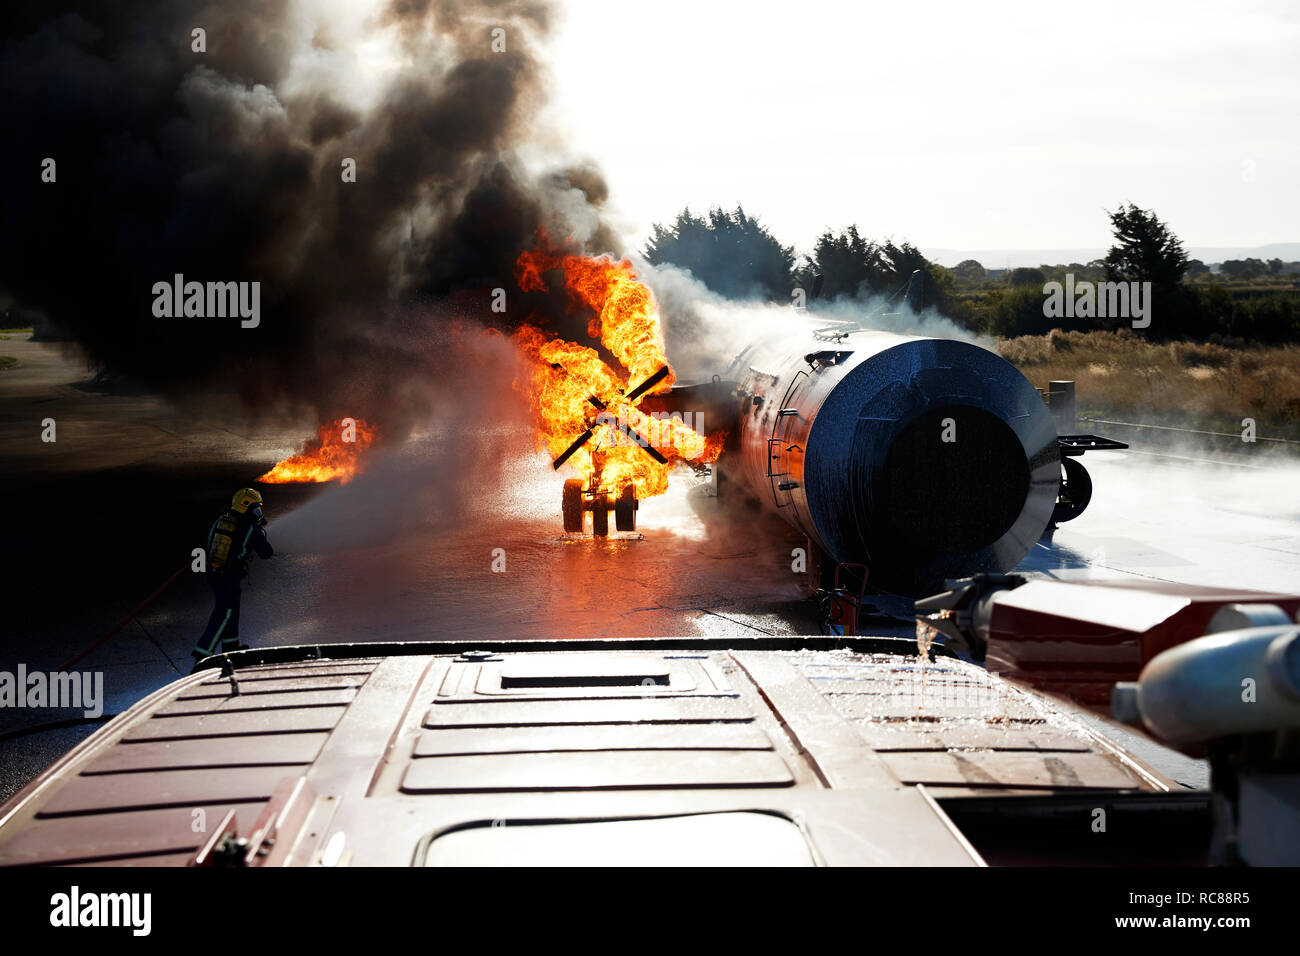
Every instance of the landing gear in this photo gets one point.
(1075, 491)
(1076, 486)
(625, 510)
(600, 515)
(572, 505)
(577, 501)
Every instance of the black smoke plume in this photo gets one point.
(226, 165)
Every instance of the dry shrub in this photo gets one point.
(1059, 341)
(1195, 384)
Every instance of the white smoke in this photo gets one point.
(704, 332)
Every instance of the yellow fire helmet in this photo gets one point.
(244, 498)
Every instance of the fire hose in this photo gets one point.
(129, 618)
(136, 611)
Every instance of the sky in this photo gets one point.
(946, 124)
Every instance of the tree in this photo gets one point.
(853, 267)
(1195, 267)
(1241, 268)
(970, 270)
(1026, 276)
(1145, 249)
(1019, 311)
(730, 252)
(844, 262)
(895, 266)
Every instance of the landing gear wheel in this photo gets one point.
(574, 518)
(625, 510)
(1075, 492)
(600, 516)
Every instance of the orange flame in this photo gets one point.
(333, 455)
(569, 376)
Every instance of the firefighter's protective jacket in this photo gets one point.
(232, 541)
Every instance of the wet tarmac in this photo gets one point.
(401, 553)
(1184, 519)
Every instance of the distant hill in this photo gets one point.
(1014, 258)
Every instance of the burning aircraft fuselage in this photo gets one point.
(924, 459)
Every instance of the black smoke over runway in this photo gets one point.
(226, 165)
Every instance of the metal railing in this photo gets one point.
(1189, 431)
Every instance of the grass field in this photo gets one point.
(1123, 376)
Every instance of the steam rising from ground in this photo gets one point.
(1168, 513)
(1248, 482)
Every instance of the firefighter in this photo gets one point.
(232, 541)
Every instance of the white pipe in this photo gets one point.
(1236, 682)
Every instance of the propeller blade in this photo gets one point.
(649, 383)
(568, 452)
